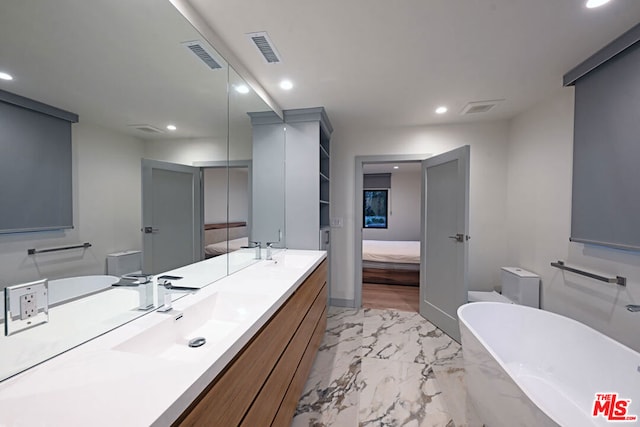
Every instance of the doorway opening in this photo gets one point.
(444, 218)
(391, 235)
(387, 231)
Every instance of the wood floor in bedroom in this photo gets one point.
(396, 297)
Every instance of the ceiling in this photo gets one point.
(119, 63)
(391, 63)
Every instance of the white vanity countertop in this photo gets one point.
(143, 373)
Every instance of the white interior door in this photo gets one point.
(444, 235)
(172, 216)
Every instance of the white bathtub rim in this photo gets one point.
(508, 370)
(550, 313)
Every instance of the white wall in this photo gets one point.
(488, 141)
(107, 210)
(404, 207)
(215, 195)
(539, 224)
(187, 151)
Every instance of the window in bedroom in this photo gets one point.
(375, 209)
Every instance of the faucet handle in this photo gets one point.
(256, 244)
(269, 251)
(139, 279)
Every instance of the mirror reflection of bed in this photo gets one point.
(220, 236)
(391, 233)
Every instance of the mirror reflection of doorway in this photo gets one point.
(391, 236)
(171, 216)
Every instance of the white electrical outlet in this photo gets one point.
(28, 306)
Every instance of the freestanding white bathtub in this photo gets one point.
(529, 367)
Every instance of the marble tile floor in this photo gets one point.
(384, 368)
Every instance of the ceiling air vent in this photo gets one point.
(146, 128)
(265, 46)
(205, 53)
(480, 106)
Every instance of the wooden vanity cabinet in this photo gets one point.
(262, 384)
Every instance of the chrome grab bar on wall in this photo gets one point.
(63, 248)
(618, 280)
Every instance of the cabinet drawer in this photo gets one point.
(226, 400)
(266, 404)
(291, 398)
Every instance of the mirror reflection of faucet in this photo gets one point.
(147, 290)
(144, 283)
(258, 249)
(270, 250)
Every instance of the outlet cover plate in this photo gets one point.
(336, 222)
(26, 306)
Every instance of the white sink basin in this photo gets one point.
(214, 319)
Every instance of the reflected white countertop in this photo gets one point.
(143, 373)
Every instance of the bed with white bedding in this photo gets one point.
(391, 262)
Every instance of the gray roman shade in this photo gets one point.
(35, 165)
(376, 181)
(605, 207)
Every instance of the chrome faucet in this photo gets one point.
(633, 308)
(269, 251)
(164, 296)
(258, 250)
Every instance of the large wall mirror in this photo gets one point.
(129, 70)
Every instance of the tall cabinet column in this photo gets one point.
(307, 166)
(291, 170)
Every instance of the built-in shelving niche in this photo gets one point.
(324, 179)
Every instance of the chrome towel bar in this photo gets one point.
(62, 248)
(618, 280)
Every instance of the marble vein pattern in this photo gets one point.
(383, 368)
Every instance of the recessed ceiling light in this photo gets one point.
(5, 76)
(242, 88)
(171, 127)
(596, 3)
(286, 84)
(441, 110)
(396, 167)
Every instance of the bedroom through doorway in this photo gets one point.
(391, 235)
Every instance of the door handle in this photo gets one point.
(458, 237)
(150, 230)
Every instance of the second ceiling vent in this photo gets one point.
(205, 53)
(480, 106)
(266, 47)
